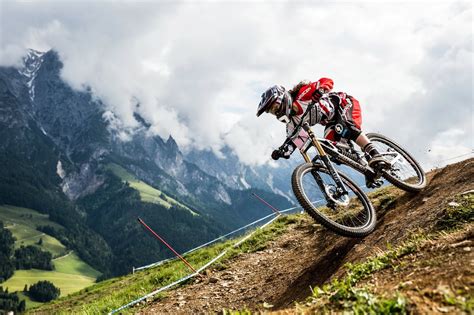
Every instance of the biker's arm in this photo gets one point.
(312, 94)
(288, 147)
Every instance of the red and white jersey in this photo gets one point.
(306, 96)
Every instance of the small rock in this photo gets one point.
(425, 199)
(453, 204)
(466, 249)
(443, 289)
(225, 284)
(267, 305)
(213, 280)
(443, 309)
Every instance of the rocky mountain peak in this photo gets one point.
(171, 144)
(32, 63)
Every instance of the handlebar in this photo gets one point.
(302, 124)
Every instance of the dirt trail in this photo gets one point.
(309, 255)
(442, 268)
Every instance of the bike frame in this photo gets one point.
(341, 189)
(326, 148)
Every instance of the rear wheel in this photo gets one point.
(350, 215)
(405, 172)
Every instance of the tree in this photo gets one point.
(10, 302)
(6, 241)
(22, 306)
(6, 249)
(32, 257)
(44, 291)
(40, 241)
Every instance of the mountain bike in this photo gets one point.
(331, 197)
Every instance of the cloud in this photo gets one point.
(449, 147)
(198, 68)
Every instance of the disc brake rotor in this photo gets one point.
(332, 193)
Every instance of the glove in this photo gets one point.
(317, 95)
(276, 154)
(281, 153)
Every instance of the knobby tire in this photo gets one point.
(307, 205)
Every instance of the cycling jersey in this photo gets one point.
(330, 110)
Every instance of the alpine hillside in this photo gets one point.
(417, 261)
(63, 156)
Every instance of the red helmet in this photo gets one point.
(276, 94)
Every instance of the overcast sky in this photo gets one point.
(198, 67)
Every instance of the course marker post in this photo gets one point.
(167, 245)
(269, 205)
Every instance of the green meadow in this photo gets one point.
(68, 283)
(147, 192)
(11, 215)
(70, 273)
(22, 222)
(110, 294)
(72, 264)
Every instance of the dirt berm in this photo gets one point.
(307, 255)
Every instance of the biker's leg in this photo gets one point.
(354, 124)
(374, 158)
(372, 155)
(330, 134)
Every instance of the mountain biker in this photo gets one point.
(339, 112)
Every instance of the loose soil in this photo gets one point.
(308, 255)
(439, 271)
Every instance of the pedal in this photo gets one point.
(379, 164)
(382, 166)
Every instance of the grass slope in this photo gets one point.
(71, 274)
(147, 192)
(113, 293)
(68, 283)
(22, 222)
(73, 265)
(408, 274)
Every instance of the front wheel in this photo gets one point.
(349, 215)
(405, 172)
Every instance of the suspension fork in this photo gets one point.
(324, 157)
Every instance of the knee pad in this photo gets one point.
(346, 130)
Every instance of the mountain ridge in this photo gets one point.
(56, 144)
